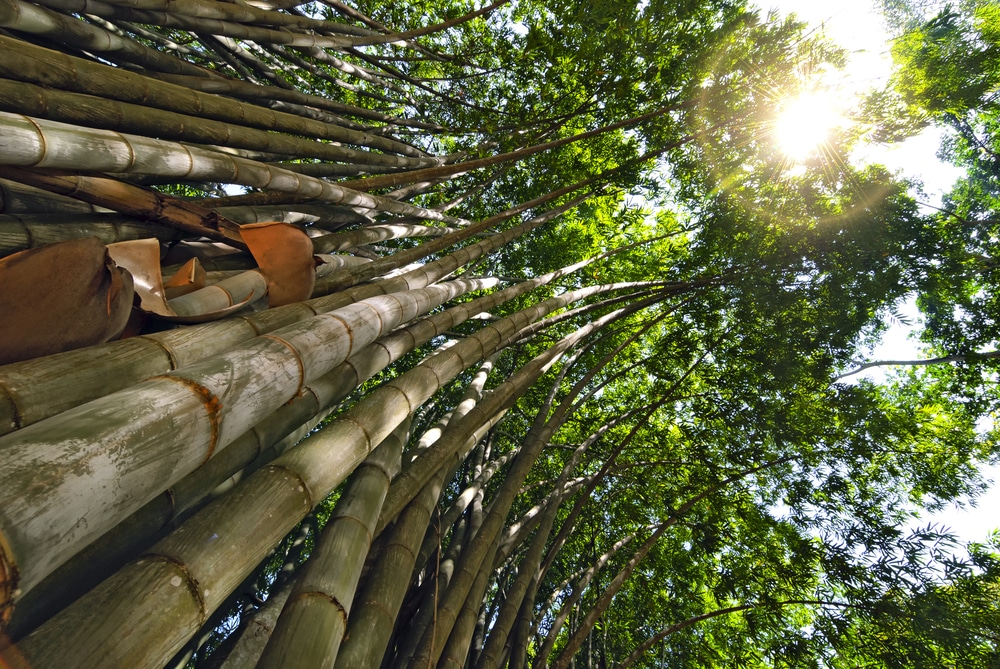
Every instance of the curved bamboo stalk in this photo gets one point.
(430, 647)
(35, 20)
(30, 142)
(97, 112)
(252, 450)
(371, 622)
(203, 25)
(161, 429)
(250, 91)
(311, 625)
(341, 241)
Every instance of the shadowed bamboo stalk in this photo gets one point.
(312, 623)
(20, 232)
(374, 613)
(134, 201)
(245, 455)
(28, 142)
(96, 112)
(32, 19)
(18, 198)
(161, 613)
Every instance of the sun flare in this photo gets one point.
(805, 123)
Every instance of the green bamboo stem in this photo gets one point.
(456, 650)
(161, 429)
(414, 477)
(97, 112)
(548, 643)
(32, 19)
(30, 142)
(326, 216)
(250, 91)
(252, 450)
(253, 637)
(275, 497)
(311, 625)
(209, 9)
(204, 25)
(377, 604)
(20, 232)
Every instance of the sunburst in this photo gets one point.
(805, 123)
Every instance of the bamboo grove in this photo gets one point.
(391, 335)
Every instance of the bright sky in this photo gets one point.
(856, 26)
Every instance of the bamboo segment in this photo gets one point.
(18, 198)
(342, 241)
(312, 624)
(28, 142)
(95, 112)
(133, 200)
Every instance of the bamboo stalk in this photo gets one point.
(18, 198)
(311, 625)
(135, 201)
(28, 142)
(19, 232)
(161, 429)
(275, 496)
(35, 20)
(97, 112)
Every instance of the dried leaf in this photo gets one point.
(59, 297)
(141, 257)
(285, 256)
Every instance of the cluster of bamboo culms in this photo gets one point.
(145, 482)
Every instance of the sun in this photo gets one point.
(805, 122)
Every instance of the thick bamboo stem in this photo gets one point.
(276, 496)
(97, 112)
(35, 20)
(163, 428)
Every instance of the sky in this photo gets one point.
(857, 26)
